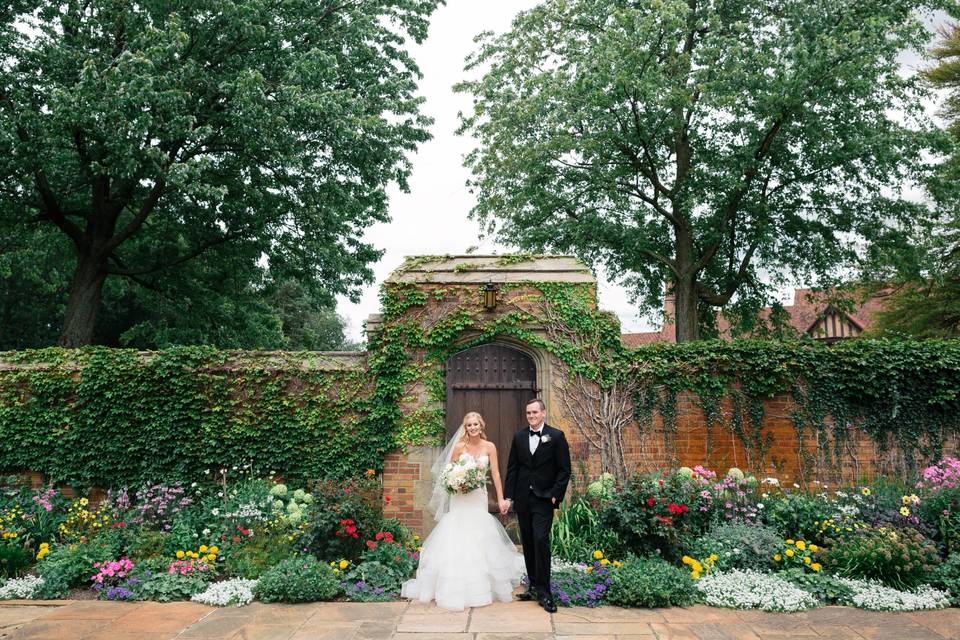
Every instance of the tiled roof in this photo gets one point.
(808, 306)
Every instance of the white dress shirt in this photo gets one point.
(534, 440)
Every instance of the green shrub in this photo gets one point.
(255, 554)
(947, 577)
(650, 582)
(826, 588)
(343, 517)
(900, 558)
(796, 514)
(578, 530)
(738, 545)
(300, 579)
(168, 587)
(72, 564)
(14, 558)
(941, 509)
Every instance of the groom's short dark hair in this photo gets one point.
(538, 401)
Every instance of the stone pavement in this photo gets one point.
(82, 620)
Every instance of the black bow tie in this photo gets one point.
(534, 433)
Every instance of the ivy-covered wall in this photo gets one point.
(112, 417)
(799, 410)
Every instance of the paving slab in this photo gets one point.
(94, 620)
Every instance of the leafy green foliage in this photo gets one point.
(578, 531)
(14, 558)
(113, 418)
(826, 588)
(168, 587)
(300, 579)
(650, 582)
(153, 134)
(697, 144)
(947, 577)
(796, 514)
(738, 545)
(899, 558)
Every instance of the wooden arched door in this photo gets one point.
(496, 381)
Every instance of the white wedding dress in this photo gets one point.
(468, 560)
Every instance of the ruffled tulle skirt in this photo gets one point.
(468, 560)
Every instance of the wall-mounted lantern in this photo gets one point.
(490, 296)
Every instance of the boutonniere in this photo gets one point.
(545, 439)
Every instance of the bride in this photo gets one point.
(468, 560)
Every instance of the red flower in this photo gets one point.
(660, 482)
(387, 499)
(371, 544)
(677, 509)
(650, 502)
(379, 535)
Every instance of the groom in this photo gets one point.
(538, 471)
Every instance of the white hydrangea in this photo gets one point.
(751, 590)
(20, 588)
(237, 592)
(877, 597)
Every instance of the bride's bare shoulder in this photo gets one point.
(491, 448)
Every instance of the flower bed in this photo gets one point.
(668, 538)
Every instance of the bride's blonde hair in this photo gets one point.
(483, 426)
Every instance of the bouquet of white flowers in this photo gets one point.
(463, 475)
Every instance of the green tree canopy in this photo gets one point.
(220, 135)
(718, 147)
(930, 307)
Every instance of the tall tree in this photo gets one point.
(716, 147)
(151, 133)
(930, 307)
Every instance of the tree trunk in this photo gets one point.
(686, 323)
(86, 289)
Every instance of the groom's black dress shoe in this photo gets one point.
(548, 604)
(528, 595)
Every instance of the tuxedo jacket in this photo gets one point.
(533, 479)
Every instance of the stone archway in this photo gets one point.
(495, 380)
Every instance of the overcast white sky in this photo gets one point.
(433, 217)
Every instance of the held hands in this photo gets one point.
(504, 507)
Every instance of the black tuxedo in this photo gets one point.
(532, 482)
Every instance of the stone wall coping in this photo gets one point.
(309, 360)
(499, 269)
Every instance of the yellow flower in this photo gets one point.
(806, 559)
(865, 491)
(801, 545)
(778, 557)
(180, 554)
(371, 472)
(686, 559)
(814, 548)
(789, 553)
(597, 554)
(695, 575)
(914, 499)
(617, 563)
(214, 549)
(904, 511)
(210, 558)
(815, 566)
(789, 541)
(604, 561)
(714, 557)
(905, 499)
(84, 502)
(590, 569)
(203, 548)
(344, 564)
